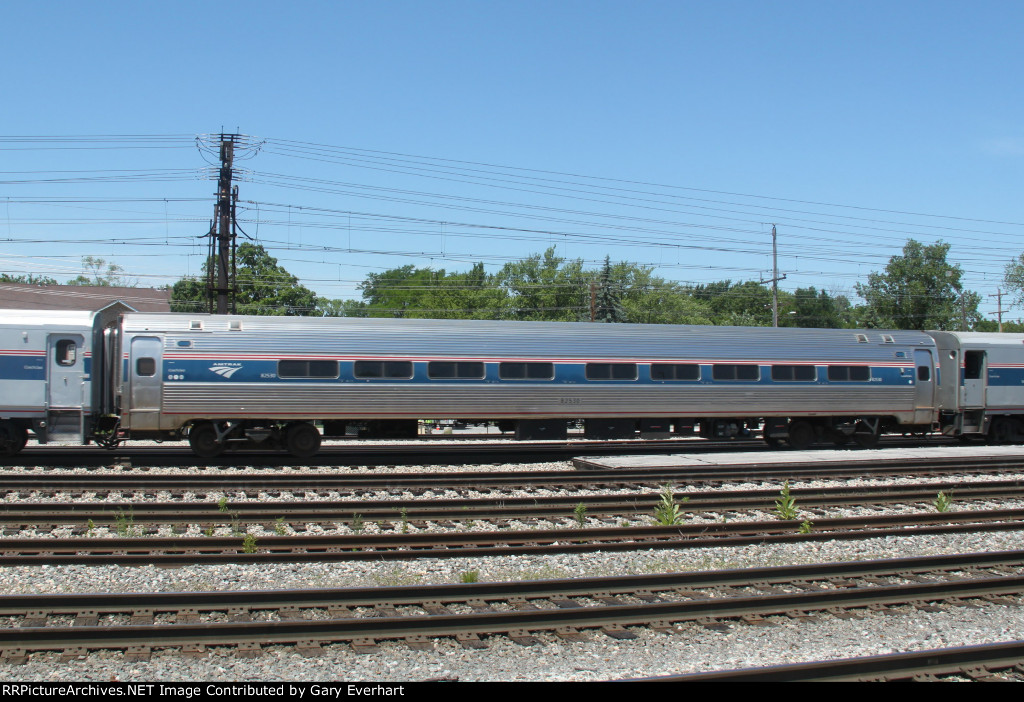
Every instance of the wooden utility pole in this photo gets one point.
(999, 311)
(775, 280)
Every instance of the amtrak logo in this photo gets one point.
(225, 371)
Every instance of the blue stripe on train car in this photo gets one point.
(265, 371)
(23, 367)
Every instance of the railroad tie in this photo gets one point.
(35, 618)
(248, 650)
(73, 653)
(364, 645)
(308, 648)
(617, 631)
(434, 607)
(523, 637)
(137, 653)
(418, 642)
(470, 640)
(14, 656)
(570, 633)
(87, 618)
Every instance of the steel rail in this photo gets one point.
(447, 544)
(487, 621)
(108, 603)
(977, 662)
(498, 507)
(131, 479)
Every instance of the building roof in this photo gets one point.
(26, 296)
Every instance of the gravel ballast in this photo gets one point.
(692, 648)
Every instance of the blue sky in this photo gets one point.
(666, 133)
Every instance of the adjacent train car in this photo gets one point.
(987, 399)
(46, 370)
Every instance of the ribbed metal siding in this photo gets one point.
(544, 340)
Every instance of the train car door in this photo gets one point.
(144, 376)
(65, 371)
(924, 396)
(972, 393)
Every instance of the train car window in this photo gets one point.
(145, 367)
(526, 371)
(735, 371)
(844, 373)
(974, 361)
(383, 369)
(467, 370)
(924, 373)
(675, 371)
(804, 374)
(307, 369)
(611, 371)
(64, 352)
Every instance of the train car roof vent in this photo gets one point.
(195, 325)
(235, 325)
(887, 339)
(862, 338)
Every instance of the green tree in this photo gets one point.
(340, 308)
(264, 287)
(96, 271)
(648, 299)
(743, 304)
(546, 287)
(608, 296)
(1013, 278)
(28, 279)
(809, 307)
(919, 290)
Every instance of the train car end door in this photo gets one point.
(144, 383)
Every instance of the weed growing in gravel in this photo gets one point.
(125, 524)
(667, 512)
(580, 514)
(222, 503)
(785, 506)
(249, 544)
(405, 520)
(805, 527)
(943, 502)
(395, 578)
(357, 523)
(91, 529)
(279, 527)
(469, 576)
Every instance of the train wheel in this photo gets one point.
(12, 438)
(801, 435)
(303, 440)
(203, 440)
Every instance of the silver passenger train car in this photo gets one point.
(223, 381)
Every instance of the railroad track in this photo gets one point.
(242, 548)
(425, 450)
(977, 663)
(437, 450)
(125, 476)
(309, 619)
(17, 515)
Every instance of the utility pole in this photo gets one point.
(999, 311)
(775, 280)
(220, 282)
